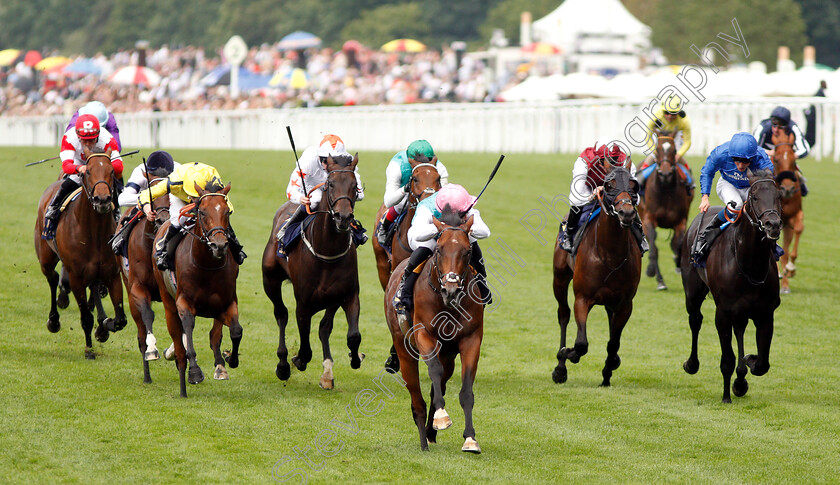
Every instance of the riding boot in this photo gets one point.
(803, 187)
(477, 262)
(297, 216)
(383, 229)
(689, 182)
(120, 236)
(704, 241)
(54, 208)
(639, 234)
(236, 247)
(571, 226)
(162, 246)
(358, 231)
(404, 297)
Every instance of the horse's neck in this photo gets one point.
(325, 237)
(86, 216)
(751, 246)
(608, 232)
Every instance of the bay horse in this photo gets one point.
(323, 269)
(666, 204)
(793, 216)
(445, 322)
(205, 274)
(139, 278)
(605, 271)
(742, 275)
(81, 244)
(424, 181)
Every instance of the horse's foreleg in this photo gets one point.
(740, 385)
(695, 293)
(786, 266)
(677, 243)
(53, 320)
(618, 319)
(653, 254)
(188, 324)
(325, 329)
(354, 337)
(448, 368)
(727, 356)
(176, 332)
(759, 364)
(470, 349)
(232, 317)
(304, 322)
(140, 307)
(428, 348)
(63, 299)
(95, 302)
(86, 317)
(409, 368)
(272, 287)
(582, 308)
(219, 372)
(116, 290)
(561, 294)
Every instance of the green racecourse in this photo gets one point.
(68, 420)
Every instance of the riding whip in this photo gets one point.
(42, 161)
(292, 141)
(498, 164)
(148, 180)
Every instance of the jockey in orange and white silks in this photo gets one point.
(421, 237)
(397, 182)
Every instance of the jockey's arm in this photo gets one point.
(684, 127)
(394, 191)
(800, 145)
(294, 191)
(443, 172)
(651, 139)
(580, 192)
(360, 189)
(68, 157)
(479, 229)
(136, 182)
(147, 196)
(422, 228)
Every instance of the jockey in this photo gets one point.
(106, 119)
(86, 134)
(159, 165)
(397, 186)
(587, 175)
(732, 159)
(780, 122)
(670, 117)
(422, 239)
(180, 186)
(313, 169)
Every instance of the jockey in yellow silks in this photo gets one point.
(669, 117)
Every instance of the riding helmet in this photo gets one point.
(743, 145)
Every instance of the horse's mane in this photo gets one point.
(343, 161)
(451, 217)
(214, 185)
(420, 158)
(763, 174)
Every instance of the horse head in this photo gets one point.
(621, 193)
(98, 180)
(784, 156)
(425, 179)
(666, 156)
(341, 189)
(764, 205)
(452, 254)
(213, 217)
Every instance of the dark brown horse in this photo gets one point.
(425, 181)
(793, 216)
(446, 322)
(139, 278)
(742, 275)
(205, 281)
(324, 272)
(606, 271)
(665, 204)
(81, 244)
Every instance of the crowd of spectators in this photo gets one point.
(357, 76)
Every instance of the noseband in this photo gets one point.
(206, 235)
(427, 190)
(451, 277)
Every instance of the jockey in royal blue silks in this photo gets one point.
(780, 122)
(731, 159)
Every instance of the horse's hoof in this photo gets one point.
(572, 356)
(392, 365)
(90, 354)
(152, 354)
(356, 362)
(102, 333)
(327, 384)
(109, 324)
(471, 446)
(559, 375)
(740, 387)
(63, 300)
(232, 360)
(661, 286)
(441, 420)
(169, 353)
(691, 367)
(220, 374)
(726, 400)
(301, 365)
(196, 376)
(784, 290)
(650, 271)
(53, 324)
(119, 324)
(283, 371)
(103, 291)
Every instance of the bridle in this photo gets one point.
(111, 185)
(413, 181)
(207, 234)
(754, 220)
(451, 276)
(330, 205)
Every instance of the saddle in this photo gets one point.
(391, 230)
(588, 214)
(50, 226)
(292, 235)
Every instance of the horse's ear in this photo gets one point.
(433, 161)
(199, 189)
(355, 161)
(86, 151)
(467, 225)
(226, 189)
(108, 151)
(439, 225)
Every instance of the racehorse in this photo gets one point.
(424, 181)
(793, 216)
(446, 322)
(606, 271)
(81, 244)
(742, 275)
(139, 279)
(205, 275)
(666, 204)
(323, 269)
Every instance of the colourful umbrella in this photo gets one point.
(352, 45)
(136, 75)
(297, 78)
(83, 66)
(541, 48)
(52, 62)
(299, 40)
(32, 58)
(8, 56)
(404, 45)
